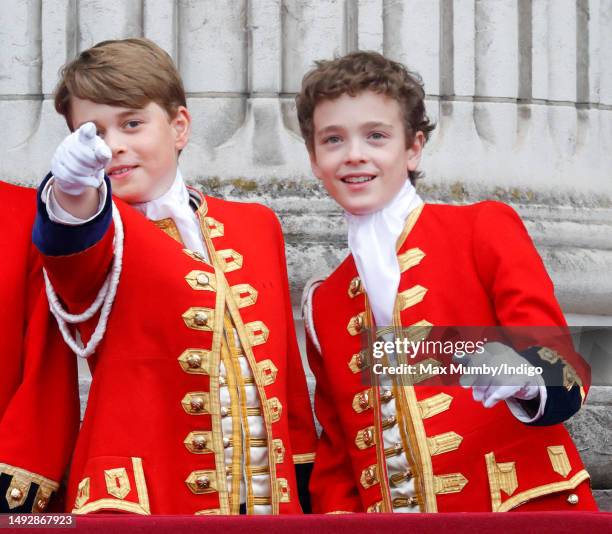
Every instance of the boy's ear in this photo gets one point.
(313, 164)
(182, 127)
(413, 152)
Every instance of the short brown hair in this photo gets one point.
(364, 71)
(127, 73)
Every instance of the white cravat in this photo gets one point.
(174, 204)
(372, 240)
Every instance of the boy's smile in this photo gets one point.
(360, 151)
(144, 145)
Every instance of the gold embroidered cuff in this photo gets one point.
(19, 487)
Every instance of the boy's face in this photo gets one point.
(360, 151)
(144, 144)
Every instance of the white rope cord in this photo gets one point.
(104, 300)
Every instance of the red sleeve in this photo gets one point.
(77, 278)
(522, 292)
(40, 423)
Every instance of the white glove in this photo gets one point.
(490, 389)
(79, 160)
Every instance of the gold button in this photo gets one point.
(199, 442)
(413, 501)
(42, 504)
(397, 447)
(16, 494)
(408, 474)
(355, 286)
(359, 323)
(197, 404)
(226, 443)
(370, 477)
(363, 401)
(360, 361)
(386, 395)
(368, 436)
(194, 361)
(390, 421)
(222, 381)
(228, 470)
(203, 482)
(200, 318)
(572, 498)
(224, 411)
(202, 279)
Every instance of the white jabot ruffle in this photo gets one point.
(174, 204)
(372, 240)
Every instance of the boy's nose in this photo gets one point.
(356, 152)
(115, 142)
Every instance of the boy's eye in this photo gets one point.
(132, 124)
(332, 139)
(377, 136)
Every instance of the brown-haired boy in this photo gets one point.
(394, 447)
(198, 402)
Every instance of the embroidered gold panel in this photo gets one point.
(410, 258)
(245, 295)
(82, 493)
(202, 482)
(279, 450)
(559, 460)
(215, 228)
(446, 442)
(356, 324)
(198, 442)
(201, 281)
(369, 476)
(283, 490)
(117, 482)
(276, 409)
(196, 403)
(502, 477)
(199, 318)
(451, 483)
(168, 226)
(434, 405)
(258, 332)
(195, 361)
(229, 260)
(267, 372)
(358, 362)
(361, 401)
(355, 287)
(411, 297)
(365, 438)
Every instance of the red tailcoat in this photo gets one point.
(150, 400)
(461, 266)
(39, 407)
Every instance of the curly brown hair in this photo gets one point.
(128, 73)
(364, 71)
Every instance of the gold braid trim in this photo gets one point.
(546, 489)
(21, 483)
(141, 507)
(305, 458)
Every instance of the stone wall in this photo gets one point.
(521, 91)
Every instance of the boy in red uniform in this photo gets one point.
(39, 405)
(198, 403)
(397, 447)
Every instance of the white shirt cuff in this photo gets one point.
(59, 215)
(517, 409)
